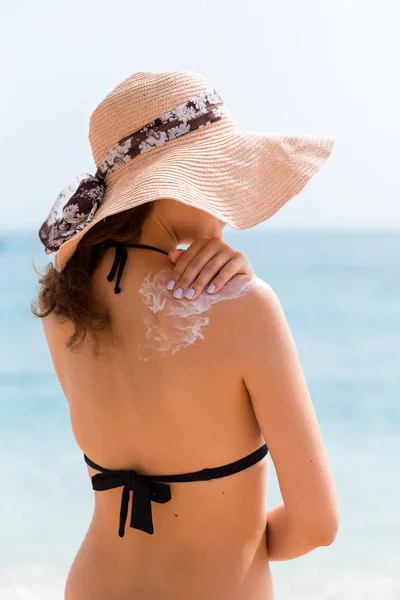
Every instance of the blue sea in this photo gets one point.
(341, 295)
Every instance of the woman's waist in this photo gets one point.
(182, 559)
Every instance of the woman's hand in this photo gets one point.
(207, 262)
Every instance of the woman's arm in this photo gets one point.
(286, 541)
(272, 373)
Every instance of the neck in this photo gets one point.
(163, 240)
(168, 238)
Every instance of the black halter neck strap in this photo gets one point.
(121, 255)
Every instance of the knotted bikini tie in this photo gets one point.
(148, 488)
(120, 258)
(144, 489)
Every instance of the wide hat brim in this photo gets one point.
(242, 178)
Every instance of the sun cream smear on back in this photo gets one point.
(187, 318)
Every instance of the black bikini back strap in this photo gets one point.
(120, 258)
(217, 472)
(150, 488)
(203, 474)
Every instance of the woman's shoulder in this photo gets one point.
(215, 318)
(255, 298)
(256, 314)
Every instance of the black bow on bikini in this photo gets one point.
(147, 488)
(144, 489)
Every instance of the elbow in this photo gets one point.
(324, 534)
(316, 529)
(328, 536)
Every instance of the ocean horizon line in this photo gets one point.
(257, 229)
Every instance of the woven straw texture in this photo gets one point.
(242, 178)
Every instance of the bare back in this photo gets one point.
(161, 408)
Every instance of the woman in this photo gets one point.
(176, 399)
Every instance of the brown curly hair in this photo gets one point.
(68, 294)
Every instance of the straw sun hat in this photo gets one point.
(169, 135)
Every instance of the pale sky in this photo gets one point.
(307, 67)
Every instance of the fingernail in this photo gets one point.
(177, 293)
(190, 293)
(211, 288)
(170, 285)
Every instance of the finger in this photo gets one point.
(185, 257)
(213, 280)
(192, 261)
(175, 254)
(210, 270)
(203, 267)
(230, 269)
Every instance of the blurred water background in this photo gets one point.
(341, 295)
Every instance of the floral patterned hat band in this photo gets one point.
(76, 205)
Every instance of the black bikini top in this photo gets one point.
(151, 488)
(148, 488)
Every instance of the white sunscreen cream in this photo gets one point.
(185, 319)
